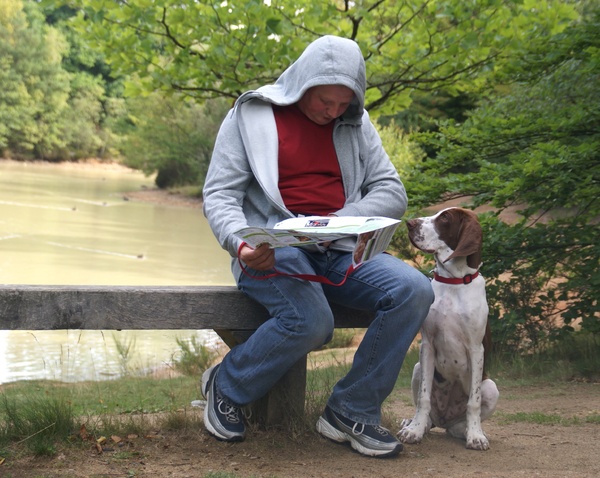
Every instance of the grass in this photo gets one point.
(127, 395)
(39, 414)
(576, 358)
(36, 422)
(540, 418)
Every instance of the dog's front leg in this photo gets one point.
(413, 430)
(476, 439)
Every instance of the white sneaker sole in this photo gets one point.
(329, 431)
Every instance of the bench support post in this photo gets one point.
(284, 403)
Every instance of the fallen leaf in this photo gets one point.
(115, 438)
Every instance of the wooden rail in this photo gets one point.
(223, 309)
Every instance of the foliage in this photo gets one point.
(50, 106)
(535, 148)
(531, 144)
(194, 358)
(211, 49)
(406, 155)
(404, 152)
(125, 349)
(34, 86)
(170, 135)
(575, 358)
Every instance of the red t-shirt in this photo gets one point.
(310, 179)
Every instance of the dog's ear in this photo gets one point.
(470, 238)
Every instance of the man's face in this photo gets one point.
(322, 104)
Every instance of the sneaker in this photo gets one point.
(221, 419)
(370, 440)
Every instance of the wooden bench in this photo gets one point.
(223, 309)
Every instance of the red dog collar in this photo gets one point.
(456, 280)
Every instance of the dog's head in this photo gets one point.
(451, 233)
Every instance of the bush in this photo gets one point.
(171, 137)
(194, 357)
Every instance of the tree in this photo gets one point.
(533, 143)
(35, 88)
(536, 147)
(50, 106)
(170, 136)
(212, 49)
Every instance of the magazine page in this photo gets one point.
(328, 224)
(373, 233)
(371, 243)
(256, 236)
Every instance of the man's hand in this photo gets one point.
(261, 259)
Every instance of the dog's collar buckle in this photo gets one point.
(466, 280)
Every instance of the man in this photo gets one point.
(306, 146)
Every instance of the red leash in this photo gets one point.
(308, 277)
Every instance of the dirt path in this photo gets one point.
(518, 449)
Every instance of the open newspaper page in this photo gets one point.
(371, 235)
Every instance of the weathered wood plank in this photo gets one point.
(43, 307)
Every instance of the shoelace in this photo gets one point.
(354, 432)
(231, 413)
(382, 431)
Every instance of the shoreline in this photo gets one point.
(152, 195)
(163, 198)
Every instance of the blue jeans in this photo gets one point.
(301, 321)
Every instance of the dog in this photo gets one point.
(449, 387)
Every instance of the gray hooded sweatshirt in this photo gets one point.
(241, 187)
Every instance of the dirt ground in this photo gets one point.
(518, 448)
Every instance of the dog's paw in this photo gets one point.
(477, 441)
(409, 433)
(405, 422)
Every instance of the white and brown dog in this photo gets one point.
(449, 387)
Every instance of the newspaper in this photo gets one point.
(363, 236)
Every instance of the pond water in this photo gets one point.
(73, 224)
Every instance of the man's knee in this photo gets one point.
(416, 287)
(424, 290)
(315, 324)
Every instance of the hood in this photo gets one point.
(329, 60)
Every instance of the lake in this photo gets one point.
(70, 224)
